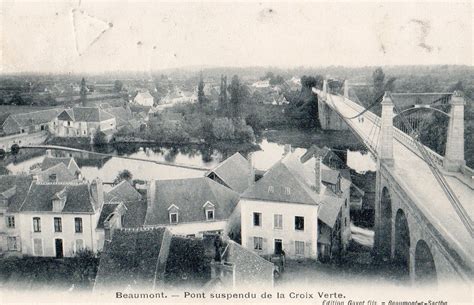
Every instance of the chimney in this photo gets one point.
(97, 192)
(325, 88)
(287, 149)
(150, 194)
(251, 169)
(317, 173)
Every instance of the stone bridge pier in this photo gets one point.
(404, 236)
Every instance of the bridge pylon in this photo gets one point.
(346, 89)
(454, 156)
(386, 131)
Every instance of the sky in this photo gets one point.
(101, 36)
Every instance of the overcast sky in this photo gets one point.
(83, 36)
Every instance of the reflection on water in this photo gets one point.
(107, 167)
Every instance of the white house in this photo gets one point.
(190, 207)
(56, 219)
(286, 209)
(84, 122)
(144, 99)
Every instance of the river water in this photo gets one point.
(271, 149)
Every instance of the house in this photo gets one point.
(144, 99)
(190, 207)
(58, 219)
(56, 173)
(235, 172)
(13, 191)
(284, 211)
(26, 128)
(84, 122)
(124, 117)
(69, 162)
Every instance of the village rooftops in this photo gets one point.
(290, 180)
(78, 198)
(191, 196)
(36, 117)
(234, 172)
(121, 114)
(13, 189)
(70, 163)
(123, 192)
(56, 173)
(85, 114)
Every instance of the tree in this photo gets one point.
(223, 107)
(202, 100)
(17, 100)
(223, 129)
(118, 85)
(100, 138)
(83, 92)
(123, 175)
(378, 81)
(239, 96)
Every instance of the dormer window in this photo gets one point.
(270, 189)
(287, 191)
(173, 218)
(209, 210)
(53, 178)
(173, 213)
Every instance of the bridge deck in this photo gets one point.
(414, 175)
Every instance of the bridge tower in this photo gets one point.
(454, 157)
(346, 89)
(386, 131)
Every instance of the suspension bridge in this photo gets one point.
(423, 205)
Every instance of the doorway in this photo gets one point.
(59, 248)
(278, 246)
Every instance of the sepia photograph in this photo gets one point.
(236, 152)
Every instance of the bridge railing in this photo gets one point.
(399, 135)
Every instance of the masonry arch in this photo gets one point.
(385, 224)
(402, 245)
(425, 268)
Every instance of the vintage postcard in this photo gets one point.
(236, 152)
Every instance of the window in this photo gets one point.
(257, 219)
(79, 245)
(68, 123)
(209, 214)
(270, 189)
(38, 246)
(299, 223)
(345, 203)
(58, 226)
(78, 224)
(299, 247)
(287, 191)
(12, 243)
(10, 221)
(36, 224)
(258, 243)
(173, 217)
(53, 178)
(278, 221)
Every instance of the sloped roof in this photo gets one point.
(107, 209)
(328, 212)
(21, 184)
(234, 171)
(85, 114)
(278, 177)
(130, 259)
(190, 195)
(3, 117)
(123, 192)
(251, 266)
(49, 162)
(61, 172)
(122, 115)
(36, 117)
(330, 176)
(78, 198)
(143, 95)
